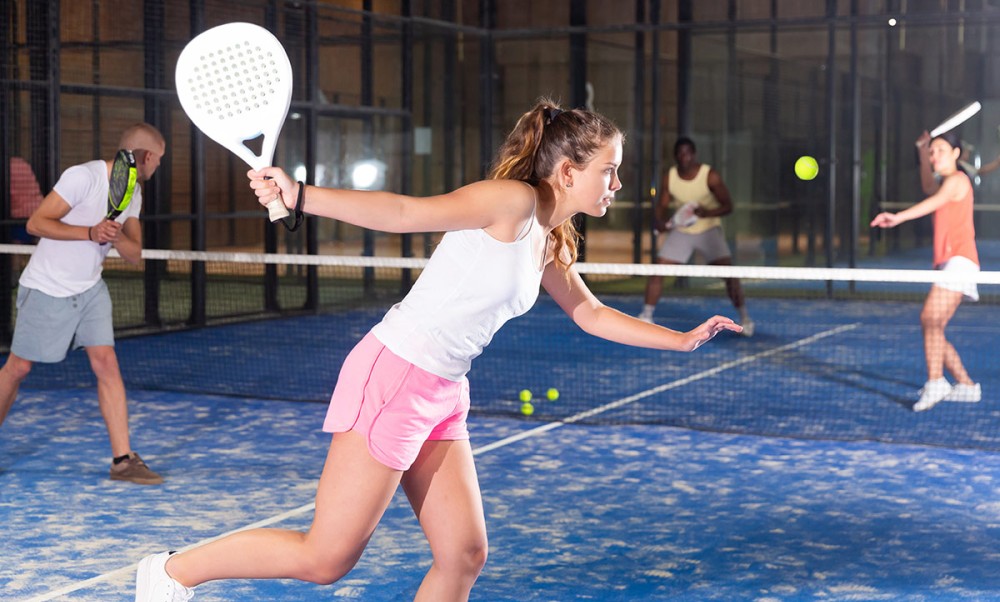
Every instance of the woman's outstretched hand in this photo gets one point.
(885, 220)
(707, 331)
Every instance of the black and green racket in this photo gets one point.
(121, 186)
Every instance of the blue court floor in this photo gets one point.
(575, 512)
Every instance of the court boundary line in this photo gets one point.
(485, 448)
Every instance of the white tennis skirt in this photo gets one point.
(961, 264)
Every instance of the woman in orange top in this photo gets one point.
(950, 201)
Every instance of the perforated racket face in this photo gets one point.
(234, 81)
(121, 185)
(685, 215)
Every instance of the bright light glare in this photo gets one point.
(364, 175)
(300, 173)
(368, 175)
(892, 22)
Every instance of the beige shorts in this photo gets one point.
(680, 246)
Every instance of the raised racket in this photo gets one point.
(957, 119)
(121, 185)
(234, 82)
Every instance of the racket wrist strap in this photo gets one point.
(299, 215)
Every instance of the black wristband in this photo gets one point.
(299, 202)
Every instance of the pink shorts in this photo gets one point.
(395, 405)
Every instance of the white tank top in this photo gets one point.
(472, 285)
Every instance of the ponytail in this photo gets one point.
(543, 137)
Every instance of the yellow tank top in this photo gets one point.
(693, 191)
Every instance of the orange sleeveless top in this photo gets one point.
(954, 232)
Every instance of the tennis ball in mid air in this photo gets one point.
(525, 395)
(552, 394)
(527, 409)
(806, 167)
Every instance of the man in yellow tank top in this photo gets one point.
(698, 198)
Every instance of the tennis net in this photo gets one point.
(837, 353)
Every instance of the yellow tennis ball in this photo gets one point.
(806, 167)
(527, 409)
(552, 394)
(525, 395)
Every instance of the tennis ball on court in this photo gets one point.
(527, 409)
(552, 394)
(806, 167)
(525, 395)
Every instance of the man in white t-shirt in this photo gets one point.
(62, 301)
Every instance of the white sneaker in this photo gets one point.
(153, 584)
(934, 392)
(965, 393)
(748, 328)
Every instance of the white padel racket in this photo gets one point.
(683, 217)
(234, 82)
(957, 119)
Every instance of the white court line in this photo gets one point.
(487, 448)
(132, 567)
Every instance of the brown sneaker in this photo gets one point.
(135, 470)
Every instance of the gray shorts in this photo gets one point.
(679, 246)
(47, 327)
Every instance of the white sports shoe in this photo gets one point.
(748, 328)
(645, 317)
(934, 392)
(153, 584)
(965, 393)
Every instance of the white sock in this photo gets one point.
(647, 310)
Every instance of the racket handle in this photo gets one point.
(276, 210)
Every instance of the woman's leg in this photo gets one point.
(938, 309)
(353, 493)
(443, 489)
(953, 364)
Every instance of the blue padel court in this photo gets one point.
(831, 150)
(781, 486)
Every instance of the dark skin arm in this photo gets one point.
(721, 193)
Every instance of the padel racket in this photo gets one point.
(234, 82)
(957, 119)
(683, 217)
(121, 185)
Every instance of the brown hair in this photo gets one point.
(534, 148)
